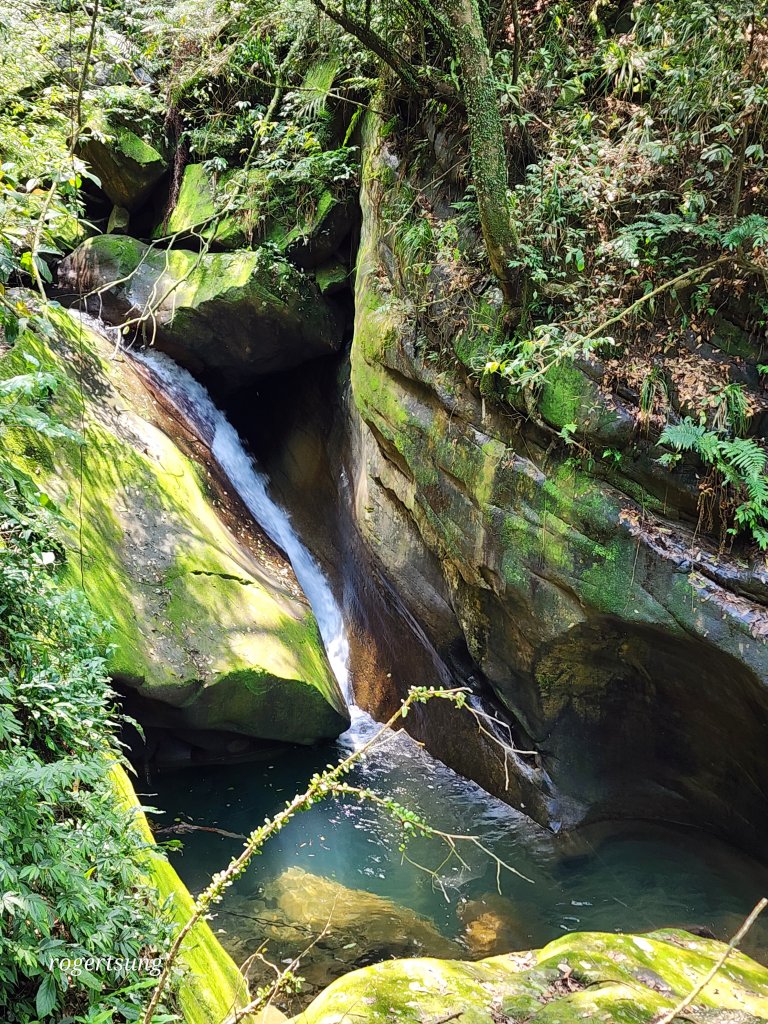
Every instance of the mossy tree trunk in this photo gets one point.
(486, 138)
(459, 25)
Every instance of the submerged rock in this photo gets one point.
(232, 316)
(491, 924)
(347, 928)
(217, 639)
(617, 979)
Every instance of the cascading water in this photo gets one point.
(213, 427)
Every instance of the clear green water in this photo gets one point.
(617, 877)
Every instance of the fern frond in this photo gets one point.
(684, 437)
(317, 84)
(746, 455)
(753, 228)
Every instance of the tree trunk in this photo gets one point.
(486, 140)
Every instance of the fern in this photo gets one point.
(683, 437)
(654, 389)
(752, 229)
(316, 87)
(747, 456)
(738, 462)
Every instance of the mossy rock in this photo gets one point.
(232, 316)
(211, 986)
(569, 396)
(631, 659)
(128, 167)
(200, 209)
(199, 625)
(332, 277)
(217, 208)
(617, 979)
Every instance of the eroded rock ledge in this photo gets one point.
(628, 655)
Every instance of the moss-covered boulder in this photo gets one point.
(124, 144)
(231, 211)
(127, 166)
(217, 639)
(616, 979)
(232, 316)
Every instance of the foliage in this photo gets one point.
(648, 143)
(69, 881)
(737, 487)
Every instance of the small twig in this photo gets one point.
(448, 1016)
(186, 826)
(671, 1014)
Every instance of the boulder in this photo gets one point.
(233, 317)
(124, 144)
(592, 976)
(128, 167)
(216, 637)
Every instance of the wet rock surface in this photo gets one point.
(629, 654)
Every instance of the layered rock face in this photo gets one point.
(215, 633)
(232, 317)
(627, 653)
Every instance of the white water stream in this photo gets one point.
(213, 427)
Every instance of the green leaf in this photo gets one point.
(46, 997)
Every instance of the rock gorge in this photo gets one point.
(494, 335)
(578, 599)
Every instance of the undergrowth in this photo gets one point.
(70, 882)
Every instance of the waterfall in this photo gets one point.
(214, 429)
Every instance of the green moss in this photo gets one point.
(191, 617)
(205, 205)
(567, 396)
(135, 148)
(619, 979)
(331, 277)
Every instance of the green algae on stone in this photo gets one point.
(618, 979)
(195, 619)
